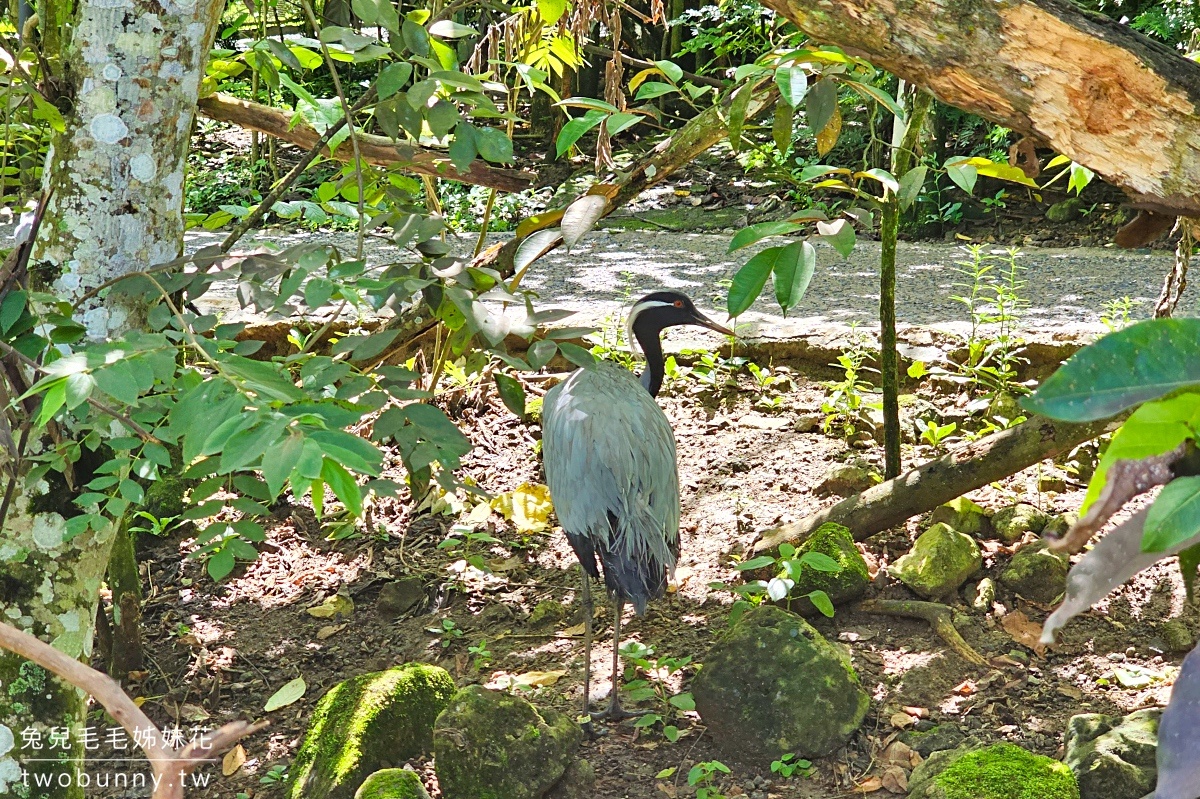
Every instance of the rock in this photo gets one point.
(392, 783)
(576, 782)
(1052, 482)
(759, 422)
(807, 423)
(1004, 406)
(843, 586)
(1176, 635)
(1068, 210)
(943, 736)
(1011, 523)
(492, 745)
(1113, 758)
(399, 597)
(366, 723)
(1057, 526)
(845, 479)
(963, 515)
(983, 596)
(548, 613)
(940, 561)
(773, 685)
(1001, 771)
(1036, 573)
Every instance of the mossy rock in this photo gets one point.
(1001, 771)
(940, 561)
(492, 745)
(392, 783)
(1114, 758)
(846, 585)
(1036, 573)
(1176, 635)
(548, 612)
(1067, 210)
(164, 497)
(963, 515)
(773, 685)
(367, 723)
(1012, 523)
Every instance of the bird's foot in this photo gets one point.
(615, 712)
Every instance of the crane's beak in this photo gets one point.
(703, 321)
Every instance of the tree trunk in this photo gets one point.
(961, 470)
(131, 71)
(1091, 88)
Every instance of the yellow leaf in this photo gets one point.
(538, 679)
(578, 629)
(829, 134)
(528, 507)
(637, 79)
(233, 760)
(336, 605)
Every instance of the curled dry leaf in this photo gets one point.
(870, 784)
(1024, 631)
(894, 779)
(234, 759)
(329, 630)
(336, 605)
(902, 721)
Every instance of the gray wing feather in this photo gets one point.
(608, 448)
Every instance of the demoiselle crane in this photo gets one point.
(609, 455)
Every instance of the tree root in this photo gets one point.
(938, 616)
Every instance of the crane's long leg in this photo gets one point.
(614, 710)
(587, 641)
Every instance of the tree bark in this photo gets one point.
(377, 150)
(962, 469)
(1091, 88)
(115, 180)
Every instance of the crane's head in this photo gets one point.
(663, 309)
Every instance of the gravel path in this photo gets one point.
(1065, 286)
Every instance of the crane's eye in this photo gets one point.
(678, 303)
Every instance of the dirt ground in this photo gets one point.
(218, 651)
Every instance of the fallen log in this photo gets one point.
(922, 489)
(1091, 88)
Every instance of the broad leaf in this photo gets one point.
(748, 235)
(571, 131)
(793, 272)
(821, 104)
(793, 85)
(840, 234)
(1174, 516)
(737, 115)
(511, 392)
(289, 694)
(749, 281)
(910, 186)
(1144, 361)
(580, 217)
(963, 175)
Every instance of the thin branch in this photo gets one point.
(169, 766)
(938, 616)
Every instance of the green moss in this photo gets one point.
(492, 745)
(940, 561)
(367, 722)
(1005, 771)
(392, 783)
(773, 685)
(842, 586)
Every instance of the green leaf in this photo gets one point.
(571, 131)
(576, 354)
(883, 176)
(821, 602)
(652, 89)
(511, 392)
(820, 104)
(415, 37)
(762, 561)
(793, 85)
(963, 175)
(392, 79)
(551, 11)
(343, 485)
(53, 399)
(684, 702)
(793, 271)
(449, 29)
(748, 282)
(277, 468)
(1189, 560)
(737, 115)
(1175, 515)
(494, 145)
(12, 309)
(1144, 361)
(783, 126)
(820, 561)
(464, 148)
(910, 186)
(220, 564)
(289, 694)
(840, 234)
(748, 235)
(878, 95)
(621, 121)
(673, 72)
